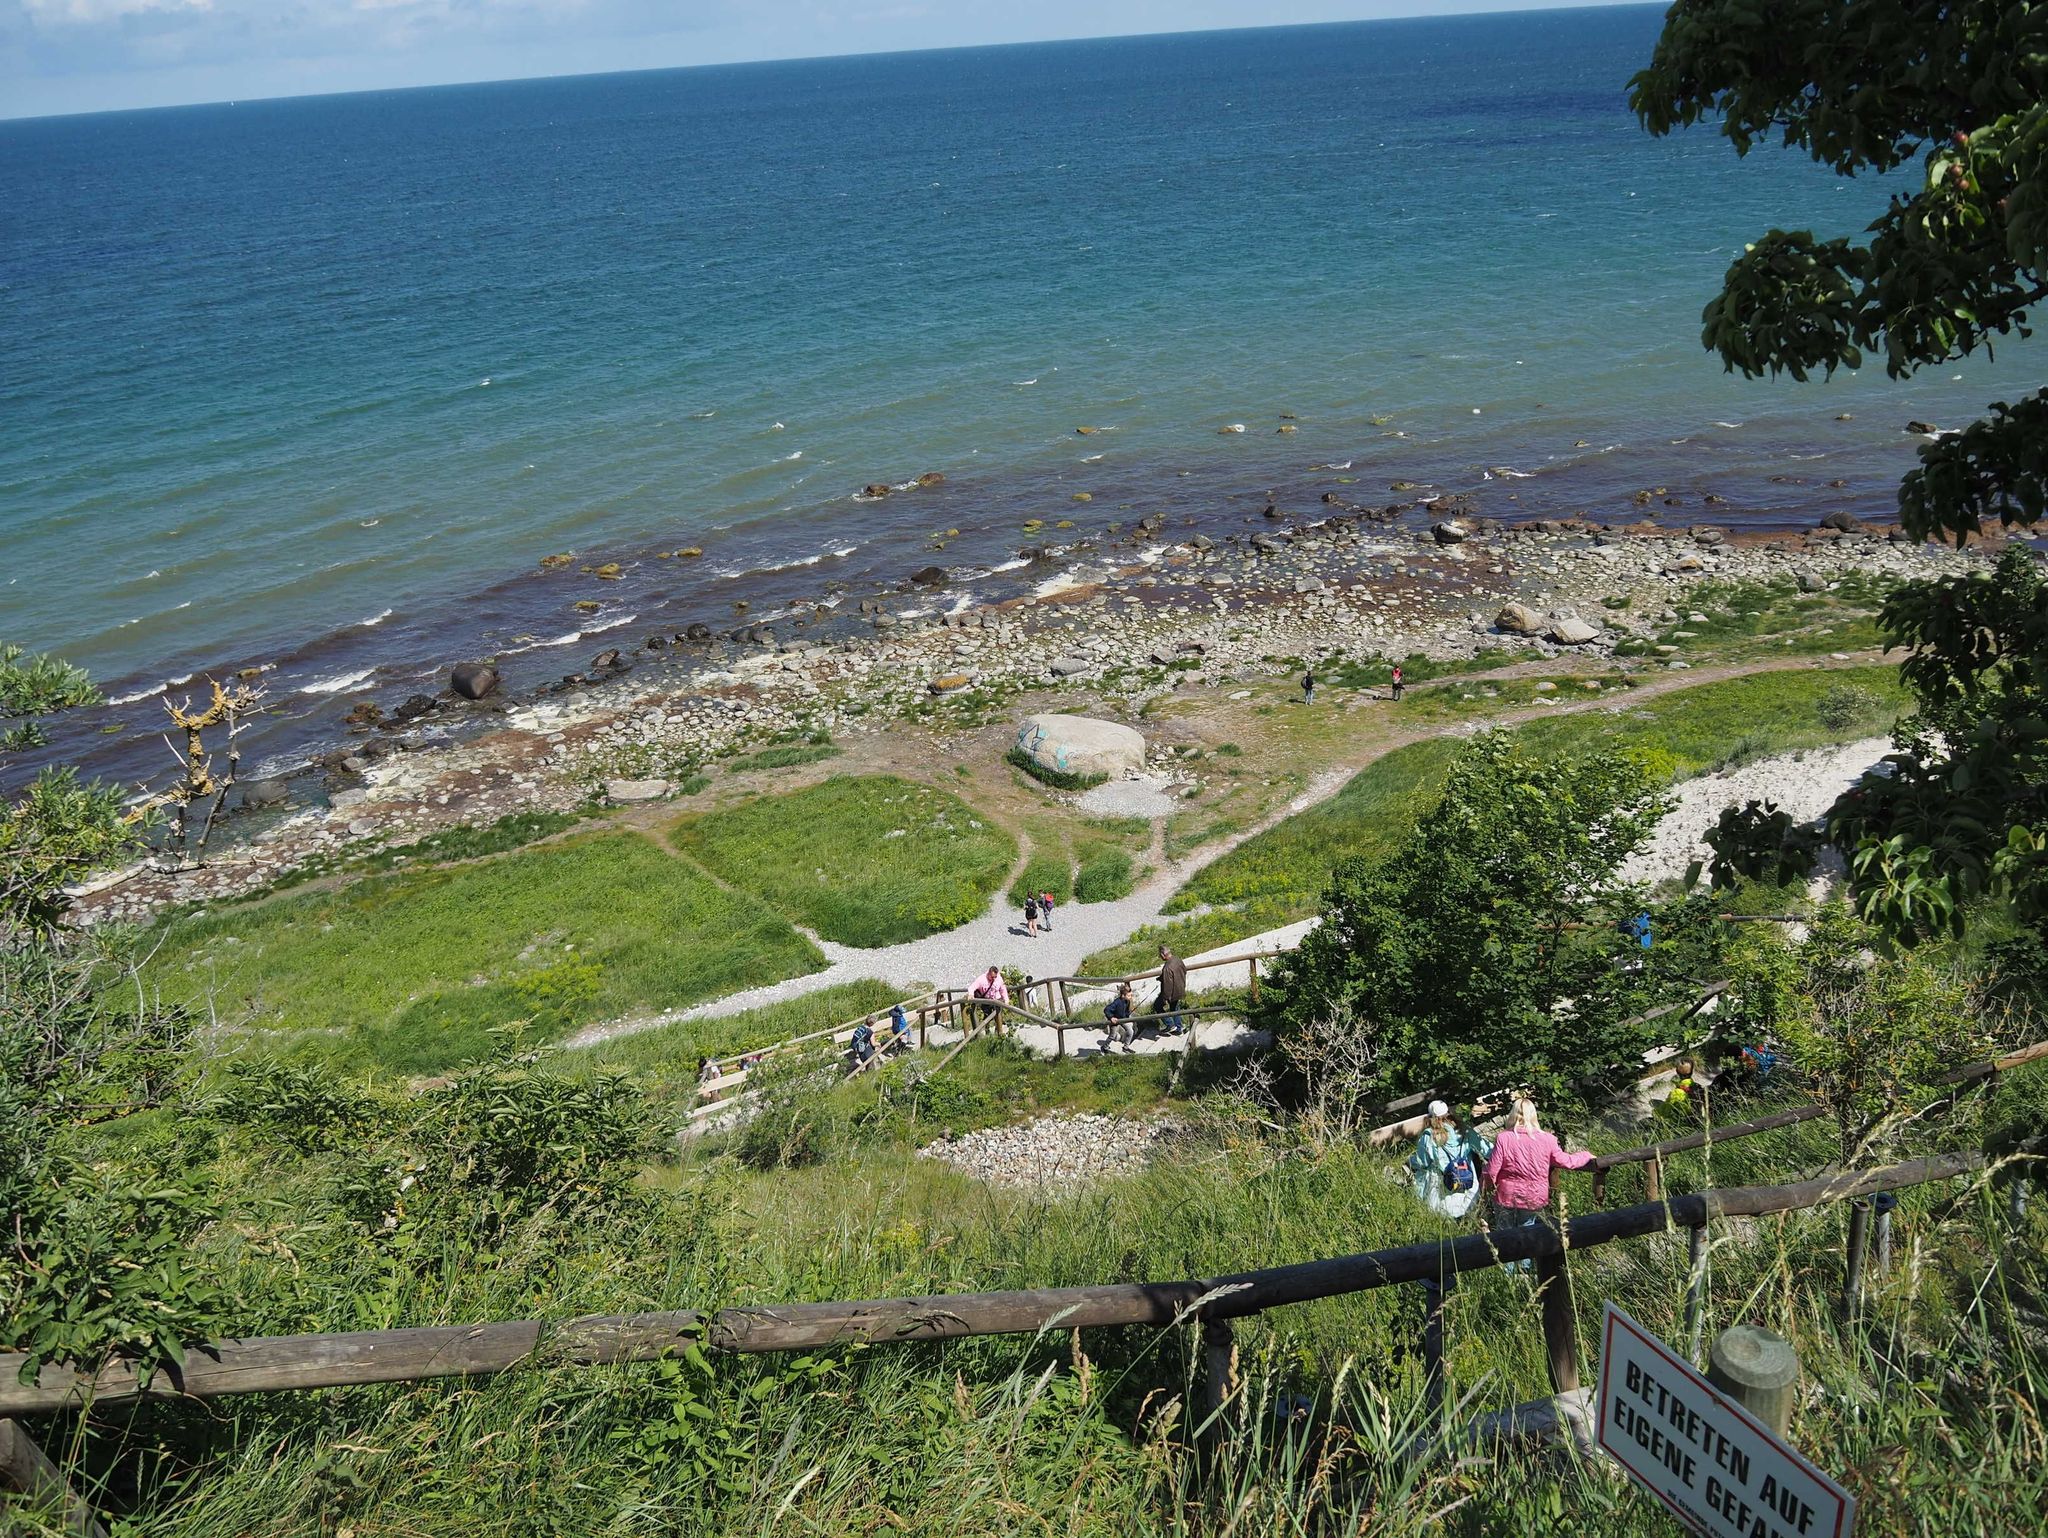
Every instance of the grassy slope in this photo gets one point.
(863, 860)
(1277, 876)
(1012, 1429)
(416, 968)
(1084, 859)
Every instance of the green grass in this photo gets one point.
(867, 860)
(1086, 859)
(1058, 779)
(782, 758)
(1278, 875)
(413, 971)
(515, 830)
(1757, 619)
(664, 1059)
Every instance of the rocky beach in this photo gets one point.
(1155, 612)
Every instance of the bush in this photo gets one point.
(1846, 704)
(61, 831)
(33, 685)
(1058, 779)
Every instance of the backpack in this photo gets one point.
(1458, 1174)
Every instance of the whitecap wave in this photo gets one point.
(792, 458)
(338, 683)
(1731, 426)
(561, 640)
(376, 619)
(140, 694)
(611, 624)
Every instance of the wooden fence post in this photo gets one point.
(1653, 1180)
(1435, 1293)
(26, 1469)
(1852, 1265)
(1759, 1370)
(1255, 979)
(1219, 1365)
(1560, 1327)
(1883, 1205)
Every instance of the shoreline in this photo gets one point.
(1179, 619)
(982, 538)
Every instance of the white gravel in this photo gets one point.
(1053, 1152)
(1804, 784)
(1146, 795)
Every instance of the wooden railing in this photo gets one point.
(267, 1364)
(1057, 989)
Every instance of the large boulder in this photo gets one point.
(1518, 619)
(473, 680)
(1573, 632)
(1080, 745)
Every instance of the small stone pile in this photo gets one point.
(1061, 1150)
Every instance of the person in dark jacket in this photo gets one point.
(1308, 688)
(1173, 992)
(1117, 1012)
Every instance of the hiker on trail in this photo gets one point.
(1045, 912)
(1397, 680)
(1446, 1164)
(1118, 1013)
(1031, 914)
(1308, 687)
(863, 1042)
(707, 1069)
(1518, 1170)
(991, 990)
(899, 1028)
(1173, 988)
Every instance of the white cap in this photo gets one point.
(1438, 1108)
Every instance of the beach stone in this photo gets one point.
(1308, 584)
(624, 791)
(1847, 523)
(1081, 744)
(1685, 563)
(1518, 619)
(414, 706)
(931, 478)
(876, 489)
(1572, 632)
(262, 793)
(1071, 667)
(473, 680)
(1811, 582)
(1450, 532)
(606, 659)
(1708, 534)
(950, 683)
(929, 576)
(1201, 542)
(1266, 543)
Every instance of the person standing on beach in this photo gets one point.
(1173, 989)
(1397, 680)
(1308, 687)
(1031, 914)
(1518, 1172)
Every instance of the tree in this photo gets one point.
(60, 831)
(1871, 85)
(1485, 950)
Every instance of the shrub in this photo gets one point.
(34, 685)
(59, 832)
(1105, 876)
(1846, 704)
(1058, 779)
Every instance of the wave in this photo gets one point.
(1345, 466)
(610, 624)
(836, 553)
(789, 458)
(1731, 426)
(337, 684)
(532, 646)
(376, 619)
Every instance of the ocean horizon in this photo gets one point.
(314, 385)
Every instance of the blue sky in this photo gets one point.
(96, 55)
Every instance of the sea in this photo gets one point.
(313, 386)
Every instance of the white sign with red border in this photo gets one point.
(1717, 1467)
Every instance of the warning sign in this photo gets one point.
(1718, 1468)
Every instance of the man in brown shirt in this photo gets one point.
(1173, 990)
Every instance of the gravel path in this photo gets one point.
(1804, 783)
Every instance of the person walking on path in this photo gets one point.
(1518, 1170)
(1173, 988)
(1031, 914)
(1118, 1013)
(990, 990)
(1045, 911)
(1397, 680)
(899, 1028)
(1308, 687)
(1446, 1164)
(863, 1043)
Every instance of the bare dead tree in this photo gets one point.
(198, 784)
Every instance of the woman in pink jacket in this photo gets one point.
(1519, 1170)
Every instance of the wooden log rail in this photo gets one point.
(269, 1364)
(1056, 988)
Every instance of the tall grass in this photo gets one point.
(864, 860)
